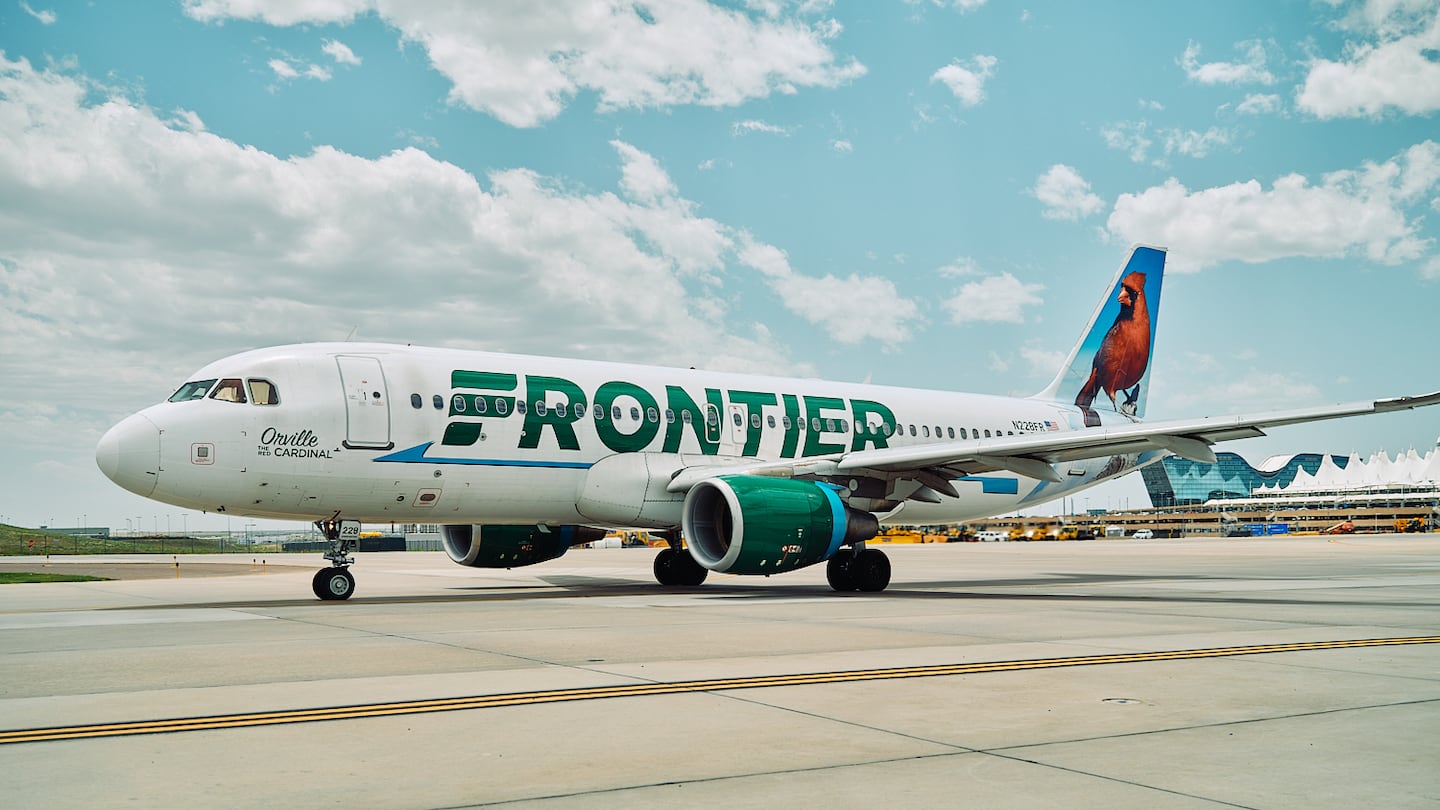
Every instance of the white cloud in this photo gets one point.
(1251, 70)
(1259, 104)
(967, 79)
(1129, 136)
(340, 52)
(525, 62)
(1065, 194)
(1431, 270)
(1195, 144)
(283, 69)
(1043, 363)
(1134, 137)
(1361, 212)
(45, 17)
(962, 267)
(746, 127)
(113, 215)
(842, 145)
(851, 310)
(1398, 71)
(994, 299)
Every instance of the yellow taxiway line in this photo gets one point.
(252, 719)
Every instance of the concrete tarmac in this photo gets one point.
(1111, 673)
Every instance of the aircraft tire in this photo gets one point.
(691, 573)
(840, 571)
(333, 584)
(871, 570)
(665, 567)
(675, 567)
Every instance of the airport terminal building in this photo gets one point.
(1305, 491)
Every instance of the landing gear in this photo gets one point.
(864, 570)
(675, 566)
(336, 582)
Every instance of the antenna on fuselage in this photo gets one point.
(351, 336)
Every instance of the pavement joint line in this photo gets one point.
(471, 702)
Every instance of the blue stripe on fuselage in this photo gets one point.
(416, 455)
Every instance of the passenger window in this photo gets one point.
(228, 391)
(754, 420)
(635, 414)
(712, 416)
(652, 415)
(925, 431)
(785, 422)
(458, 403)
(937, 431)
(685, 417)
(987, 434)
(770, 420)
(599, 413)
(415, 401)
(669, 416)
(500, 406)
(579, 410)
(735, 417)
(950, 432)
(520, 406)
(262, 392)
(963, 434)
(438, 401)
(830, 425)
(815, 423)
(615, 413)
(912, 430)
(480, 405)
(540, 407)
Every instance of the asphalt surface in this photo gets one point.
(1265, 673)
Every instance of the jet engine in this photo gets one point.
(741, 524)
(512, 546)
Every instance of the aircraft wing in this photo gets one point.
(1032, 455)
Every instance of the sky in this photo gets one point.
(914, 192)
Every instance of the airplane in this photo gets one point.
(520, 458)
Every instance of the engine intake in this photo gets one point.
(740, 524)
(512, 546)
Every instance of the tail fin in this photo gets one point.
(1109, 369)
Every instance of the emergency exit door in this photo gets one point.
(367, 403)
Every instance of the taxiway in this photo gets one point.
(1261, 673)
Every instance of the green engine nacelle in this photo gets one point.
(512, 546)
(740, 524)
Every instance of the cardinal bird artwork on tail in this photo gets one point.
(1124, 354)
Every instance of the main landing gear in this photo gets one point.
(336, 582)
(675, 566)
(858, 569)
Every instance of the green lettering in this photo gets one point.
(559, 417)
(681, 403)
(609, 431)
(813, 445)
(866, 434)
(792, 431)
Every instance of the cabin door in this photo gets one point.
(367, 403)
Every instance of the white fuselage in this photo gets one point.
(379, 432)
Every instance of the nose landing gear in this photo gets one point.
(336, 582)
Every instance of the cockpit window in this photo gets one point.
(195, 389)
(263, 392)
(228, 391)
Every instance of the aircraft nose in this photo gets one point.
(129, 454)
